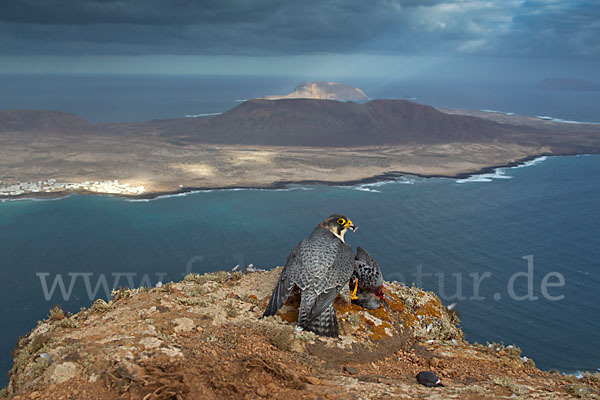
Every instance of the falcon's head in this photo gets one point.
(338, 224)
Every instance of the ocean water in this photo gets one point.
(441, 233)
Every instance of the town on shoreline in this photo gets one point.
(52, 186)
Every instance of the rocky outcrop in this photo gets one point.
(202, 338)
(323, 91)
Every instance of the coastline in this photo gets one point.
(284, 184)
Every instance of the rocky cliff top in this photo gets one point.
(202, 338)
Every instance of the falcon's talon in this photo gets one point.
(353, 295)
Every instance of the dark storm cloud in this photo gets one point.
(270, 27)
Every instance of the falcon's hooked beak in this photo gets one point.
(350, 225)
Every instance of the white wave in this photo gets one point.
(377, 184)
(498, 112)
(530, 163)
(166, 196)
(564, 121)
(474, 178)
(369, 187)
(202, 115)
(241, 100)
(184, 194)
(365, 189)
(497, 174)
(37, 198)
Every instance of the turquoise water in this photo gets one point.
(549, 210)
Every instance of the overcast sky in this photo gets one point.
(404, 37)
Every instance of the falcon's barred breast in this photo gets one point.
(319, 266)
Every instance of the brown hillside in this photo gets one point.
(42, 121)
(309, 122)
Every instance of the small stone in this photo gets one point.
(434, 362)
(313, 380)
(502, 353)
(34, 395)
(171, 352)
(199, 329)
(47, 357)
(350, 370)
(183, 325)
(65, 371)
(150, 342)
(262, 391)
(272, 388)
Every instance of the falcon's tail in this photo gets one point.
(280, 295)
(325, 324)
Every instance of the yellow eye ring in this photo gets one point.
(341, 221)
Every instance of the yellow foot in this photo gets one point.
(353, 295)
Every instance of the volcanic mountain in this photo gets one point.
(323, 91)
(42, 121)
(309, 122)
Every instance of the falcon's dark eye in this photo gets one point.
(341, 221)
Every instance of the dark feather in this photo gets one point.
(325, 323)
(284, 285)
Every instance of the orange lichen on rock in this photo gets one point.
(395, 302)
(381, 331)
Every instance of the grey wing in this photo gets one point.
(338, 274)
(285, 284)
(317, 253)
(365, 257)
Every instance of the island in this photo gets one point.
(323, 91)
(203, 338)
(270, 144)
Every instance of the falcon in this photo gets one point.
(319, 266)
(367, 281)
